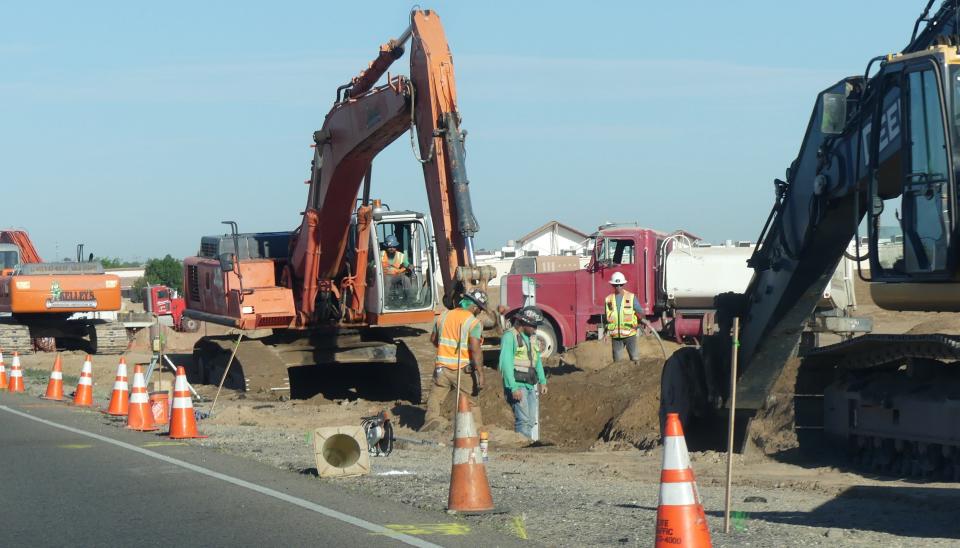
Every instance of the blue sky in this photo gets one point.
(136, 128)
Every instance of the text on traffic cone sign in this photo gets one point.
(55, 384)
(15, 383)
(139, 414)
(680, 517)
(469, 488)
(84, 395)
(183, 423)
(119, 400)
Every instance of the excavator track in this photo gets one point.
(108, 338)
(890, 401)
(15, 337)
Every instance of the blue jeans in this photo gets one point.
(525, 411)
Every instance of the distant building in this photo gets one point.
(127, 278)
(553, 238)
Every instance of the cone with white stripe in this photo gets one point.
(680, 517)
(139, 414)
(3, 373)
(119, 400)
(83, 397)
(469, 488)
(183, 423)
(15, 384)
(55, 384)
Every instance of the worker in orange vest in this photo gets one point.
(396, 268)
(621, 319)
(457, 334)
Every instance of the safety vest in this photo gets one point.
(524, 360)
(621, 323)
(392, 266)
(453, 338)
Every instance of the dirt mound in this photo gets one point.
(594, 355)
(771, 430)
(948, 324)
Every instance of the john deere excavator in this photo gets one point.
(38, 301)
(318, 294)
(881, 154)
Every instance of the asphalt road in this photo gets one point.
(68, 477)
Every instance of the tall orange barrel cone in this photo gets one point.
(55, 385)
(16, 375)
(139, 415)
(680, 517)
(183, 423)
(119, 404)
(469, 488)
(3, 373)
(83, 397)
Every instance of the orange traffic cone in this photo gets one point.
(83, 396)
(16, 375)
(183, 423)
(680, 517)
(469, 488)
(3, 373)
(55, 386)
(119, 404)
(139, 415)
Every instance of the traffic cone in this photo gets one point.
(16, 375)
(119, 404)
(55, 385)
(83, 396)
(680, 517)
(469, 488)
(183, 423)
(3, 373)
(139, 415)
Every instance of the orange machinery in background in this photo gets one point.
(40, 302)
(324, 282)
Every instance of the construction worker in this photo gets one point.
(621, 319)
(522, 370)
(396, 269)
(457, 334)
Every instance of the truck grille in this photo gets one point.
(193, 280)
(274, 321)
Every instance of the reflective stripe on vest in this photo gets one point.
(453, 342)
(623, 322)
(524, 365)
(392, 266)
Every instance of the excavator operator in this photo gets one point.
(396, 268)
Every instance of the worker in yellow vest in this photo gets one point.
(522, 371)
(621, 319)
(457, 334)
(396, 268)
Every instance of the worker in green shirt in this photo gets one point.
(522, 370)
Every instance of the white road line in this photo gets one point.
(329, 512)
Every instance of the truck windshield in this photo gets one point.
(615, 251)
(8, 259)
(163, 294)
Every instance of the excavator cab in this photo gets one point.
(9, 258)
(401, 283)
(912, 196)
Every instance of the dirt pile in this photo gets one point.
(771, 430)
(593, 355)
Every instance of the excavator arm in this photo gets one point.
(364, 120)
(871, 139)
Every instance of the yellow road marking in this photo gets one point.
(446, 529)
(75, 446)
(519, 528)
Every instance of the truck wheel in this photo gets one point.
(547, 337)
(189, 325)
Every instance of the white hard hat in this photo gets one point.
(618, 279)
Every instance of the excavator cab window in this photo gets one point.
(912, 228)
(406, 280)
(8, 260)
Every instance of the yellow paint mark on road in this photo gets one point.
(75, 446)
(446, 529)
(38, 405)
(519, 528)
(163, 443)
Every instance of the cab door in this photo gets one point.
(392, 301)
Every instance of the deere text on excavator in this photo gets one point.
(312, 295)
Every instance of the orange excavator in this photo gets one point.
(39, 301)
(313, 295)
